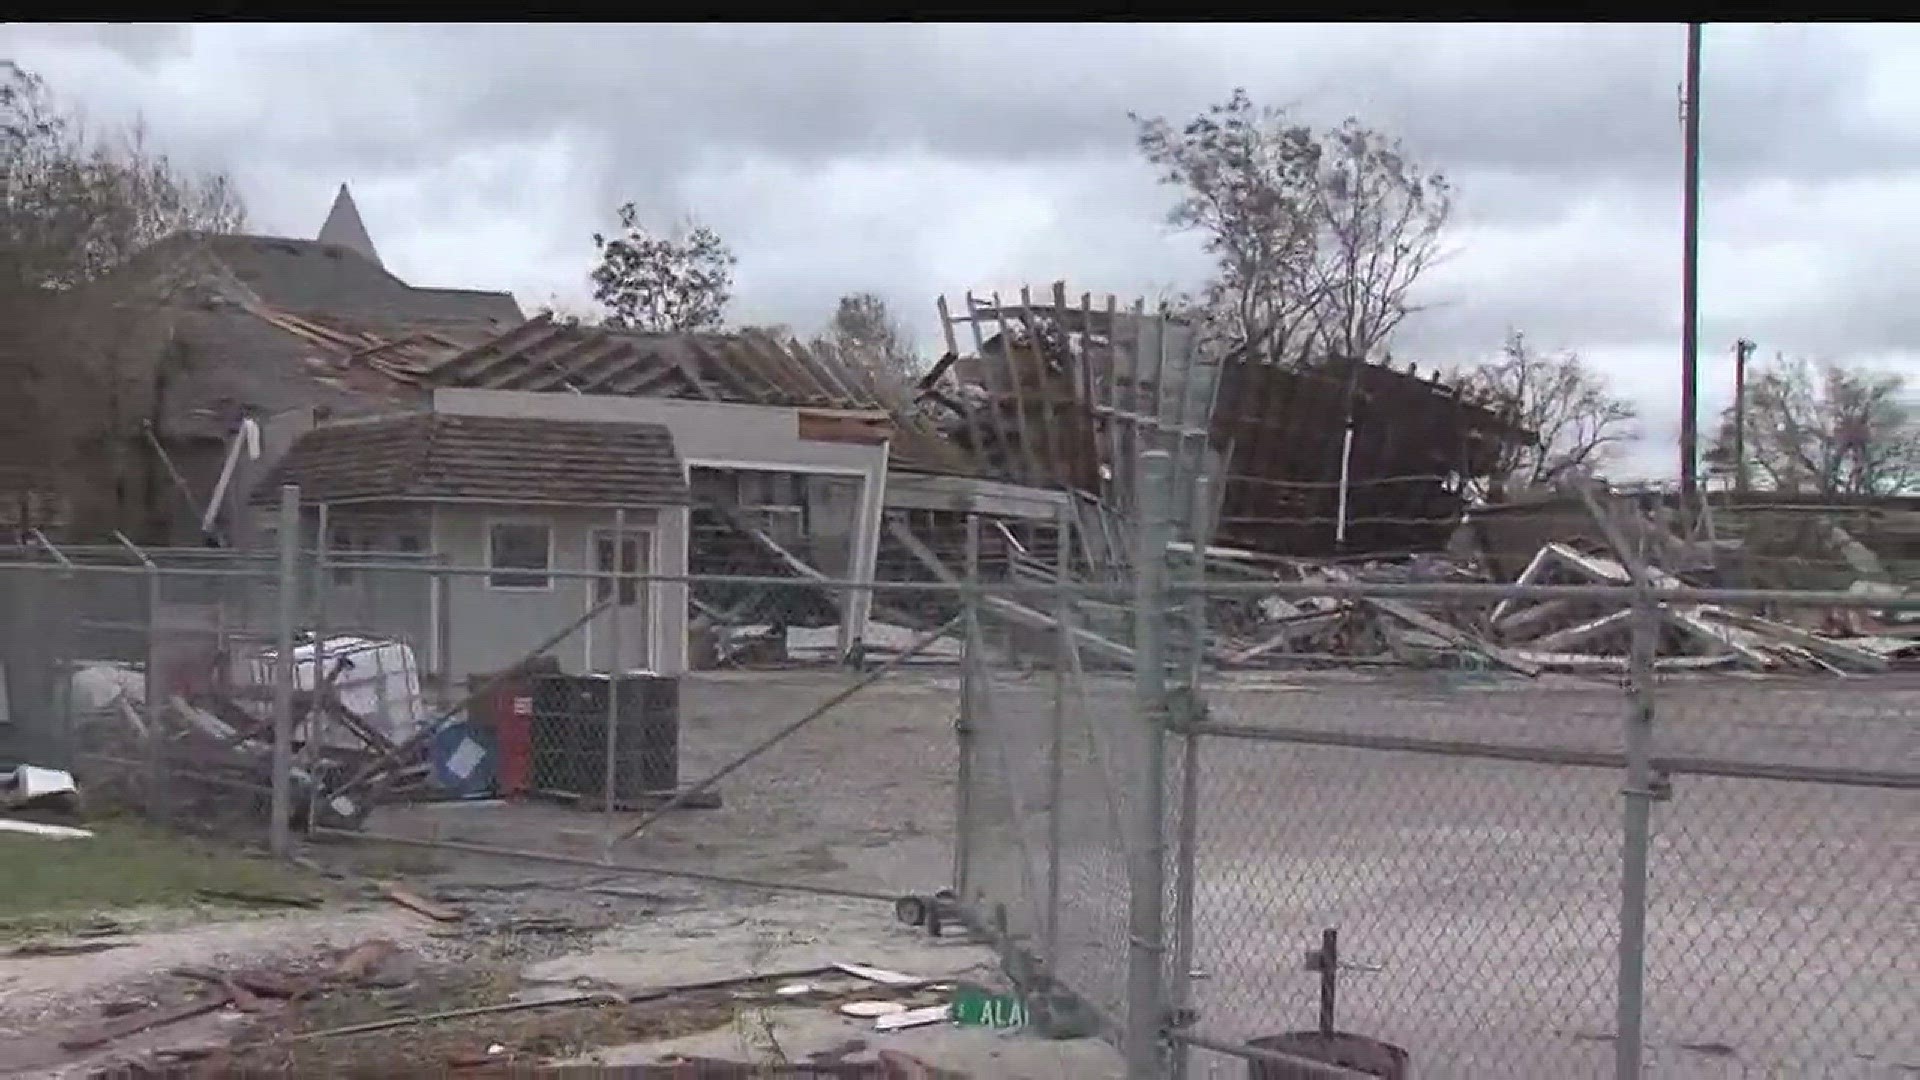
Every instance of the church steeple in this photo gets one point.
(345, 228)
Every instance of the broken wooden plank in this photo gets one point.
(415, 902)
(1720, 639)
(912, 1018)
(50, 832)
(136, 1023)
(258, 897)
(1589, 663)
(1420, 620)
(65, 948)
(1595, 569)
(1513, 624)
(260, 984)
(1290, 630)
(1568, 638)
(883, 976)
(1836, 651)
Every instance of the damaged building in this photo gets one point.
(203, 334)
(1327, 458)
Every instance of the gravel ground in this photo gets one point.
(1476, 901)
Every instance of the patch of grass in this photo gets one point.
(55, 885)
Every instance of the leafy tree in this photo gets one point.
(864, 331)
(673, 283)
(80, 338)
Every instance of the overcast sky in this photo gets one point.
(912, 160)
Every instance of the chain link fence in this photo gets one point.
(1686, 848)
(1491, 856)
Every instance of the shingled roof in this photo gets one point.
(435, 457)
(256, 325)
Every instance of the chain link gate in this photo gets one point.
(1480, 870)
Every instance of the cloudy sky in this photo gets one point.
(912, 160)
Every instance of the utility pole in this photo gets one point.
(1690, 276)
(1741, 350)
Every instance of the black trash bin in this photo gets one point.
(1357, 1052)
(570, 735)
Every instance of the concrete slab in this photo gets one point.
(775, 934)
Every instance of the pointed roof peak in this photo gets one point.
(344, 227)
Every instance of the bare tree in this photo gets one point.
(566, 313)
(1379, 224)
(1318, 238)
(671, 283)
(1825, 429)
(863, 330)
(1578, 420)
(84, 344)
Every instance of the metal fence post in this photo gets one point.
(1146, 1005)
(1638, 797)
(615, 644)
(283, 672)
(65, 656)
(964, 728)
(440, 606)
(159, 793)
(1187, 841)
(158, 797)
(318, 717)
(1056, 746)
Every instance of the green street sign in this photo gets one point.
(977, 1008)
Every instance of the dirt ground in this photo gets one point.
(816, 811)
(1476, 901)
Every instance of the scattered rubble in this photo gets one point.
(209, 739)
(1531, 636)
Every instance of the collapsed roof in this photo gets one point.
(1060, 394)
(545, 354)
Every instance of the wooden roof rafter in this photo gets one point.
(574, 365)
(740, 374)
(472, 367)
(647, 371)
(809, 374)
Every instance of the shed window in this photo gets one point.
(524, 548)
(343, 540)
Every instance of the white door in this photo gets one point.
(632, 608)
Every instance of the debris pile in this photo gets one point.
(203, 754)
(1576, 635)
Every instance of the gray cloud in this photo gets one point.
(919, 159)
